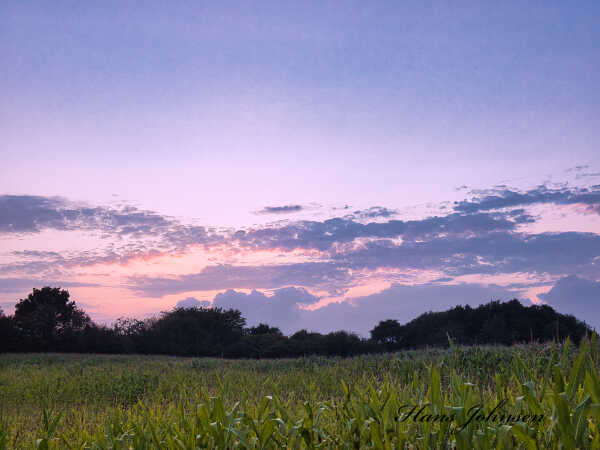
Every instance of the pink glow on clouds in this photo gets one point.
(113, 297)
(365, 288)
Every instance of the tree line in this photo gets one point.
(49, 321)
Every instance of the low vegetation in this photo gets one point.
(532, 397)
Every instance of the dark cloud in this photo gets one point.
(36, 254)
(30, 214)
(454, 255)
(329, 236)
(474, 239)
(323, 235)
(286, 209)
(317, 274)
(577, 296)
(282, 309)
(520, 216)
(505, 198)
(191, 302)
(553, 253)
(403, 303)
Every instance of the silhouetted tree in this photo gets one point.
(388, 333)
(492, 323)
(342, 343)
(307, 343)
(133, 334)
(47, 318)
(263, 328)
(495, 330)
(261, 341)
(8, 337)
(196, 331)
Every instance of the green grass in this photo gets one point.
(99, 401)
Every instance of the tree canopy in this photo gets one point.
(492, 323)
(48, 320)
(47, 316)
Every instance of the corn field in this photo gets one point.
(522, 397)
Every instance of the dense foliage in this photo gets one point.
(495, 323)
(47, 320)
(52, 401)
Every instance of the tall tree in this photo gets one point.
(48, 317)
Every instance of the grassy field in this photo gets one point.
(537, 396)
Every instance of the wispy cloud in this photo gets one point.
(285, 209)
(375, 212)
(506, 198)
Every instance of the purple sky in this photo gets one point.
(315, 164)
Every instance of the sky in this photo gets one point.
(319, 165)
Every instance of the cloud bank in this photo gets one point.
(483, 236)
(284, 308)
(577, 296)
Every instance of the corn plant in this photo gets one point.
(521, 397)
